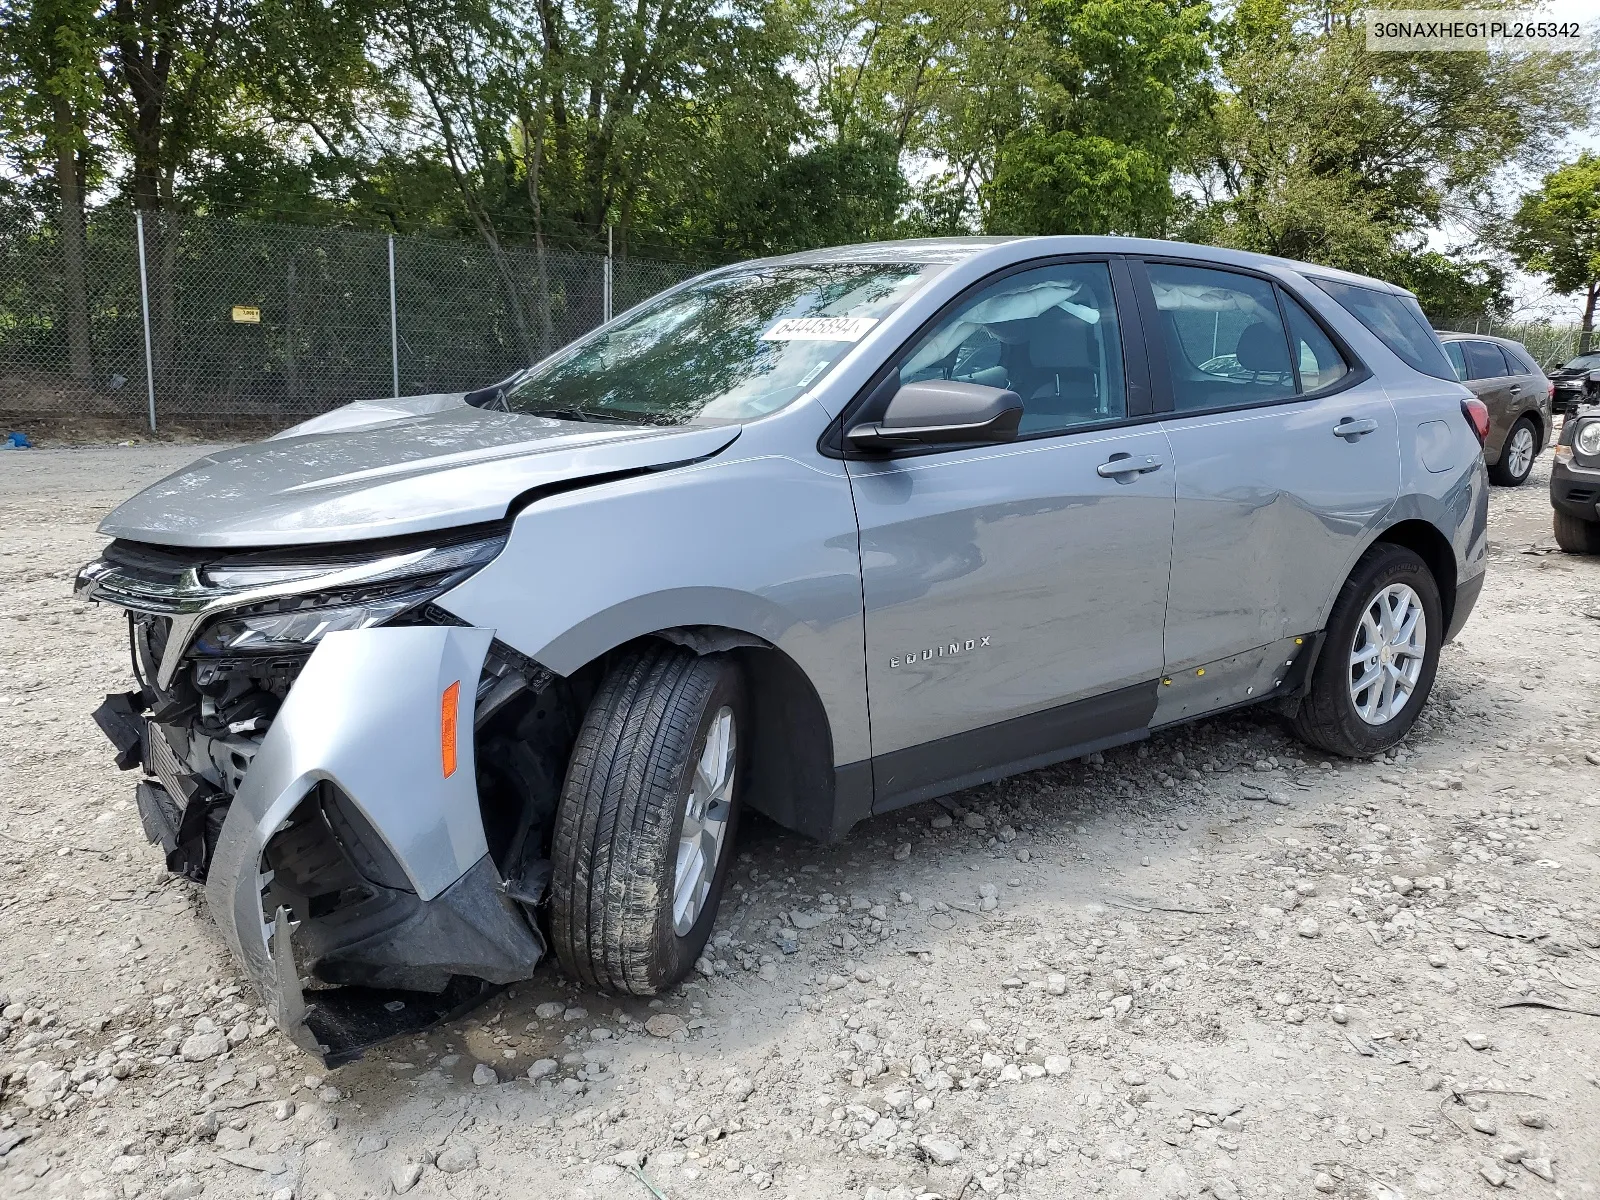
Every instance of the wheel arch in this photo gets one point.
(793, 779)
(1427, 542)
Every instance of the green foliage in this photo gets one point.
(1120, 80)
(1452, 288)
(1556, 232)
(1321, 151)
(711, 129)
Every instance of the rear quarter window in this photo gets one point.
(1396, 321)
(1521, 361)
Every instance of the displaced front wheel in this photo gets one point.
(644, 831)
(1379, 657)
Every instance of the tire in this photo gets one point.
(615, 911)
(1329, 717)
(1514, 468)
(1575, 535)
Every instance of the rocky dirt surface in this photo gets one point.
(1212, 964)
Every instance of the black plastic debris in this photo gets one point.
(120, 719)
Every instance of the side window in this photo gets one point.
(1225, 340)
(1521, 363)
(1049, 334)
(1396, 321)
(1458, 360)
(1319, 361)
(1484, 361)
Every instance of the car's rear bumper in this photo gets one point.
(1575, 490)
(1467, 593)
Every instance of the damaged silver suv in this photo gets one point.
(428, 686)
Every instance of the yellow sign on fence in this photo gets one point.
(246, 314)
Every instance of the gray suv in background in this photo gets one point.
(426, 687)
(1517, 394)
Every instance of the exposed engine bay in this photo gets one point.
(360, 913)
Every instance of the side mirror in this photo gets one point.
(941, 412)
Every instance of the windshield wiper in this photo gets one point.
(571, 414)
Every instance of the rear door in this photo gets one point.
(1015, 592)
(1286, 457)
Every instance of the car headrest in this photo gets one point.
(1059, 340)
(1262, 349)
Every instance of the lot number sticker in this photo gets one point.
(820, 329)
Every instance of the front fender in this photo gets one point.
(764, 545)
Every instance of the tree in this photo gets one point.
(1556, 234)
(1320, 150)
(49, 102)
(1119, 83)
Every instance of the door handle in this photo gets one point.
(1350, 429)
(1127, 464)
(1515, 388)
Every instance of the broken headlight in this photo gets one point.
(298, 605)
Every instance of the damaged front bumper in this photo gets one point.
(349, 871)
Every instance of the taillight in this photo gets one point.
(1549, 391)
(1477, 415)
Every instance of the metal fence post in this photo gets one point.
(144, 304)
(394, 324)
(605, 283)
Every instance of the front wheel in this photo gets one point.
(644, 831)
(1379, 658)
(1575, 535)
(1517, 455)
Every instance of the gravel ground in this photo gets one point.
(1213, 964)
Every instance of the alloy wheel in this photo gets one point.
(1519, 452)
(1386, 657)
(706, 809)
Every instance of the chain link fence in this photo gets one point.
(258, 324)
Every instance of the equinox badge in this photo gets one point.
(948, 650)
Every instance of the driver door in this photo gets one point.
(1015, 592)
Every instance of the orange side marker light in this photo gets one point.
(447, 728)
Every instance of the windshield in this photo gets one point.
(728, 348)
(1584, 362)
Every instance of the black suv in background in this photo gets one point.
(1575, 483)
(1578, 382)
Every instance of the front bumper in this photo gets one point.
(433, 928)
(1575, 490)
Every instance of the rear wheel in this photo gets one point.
(1379, 658)
(645, 828)
(1575, 535)
(1517, 455)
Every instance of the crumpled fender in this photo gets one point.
(364, 714)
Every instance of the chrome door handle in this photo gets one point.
(1515, 388)
(1128, 464)
(1350, 429)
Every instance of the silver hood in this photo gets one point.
(440, 470)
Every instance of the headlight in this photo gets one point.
(278, 608)
(299, 627)
(1587, 441)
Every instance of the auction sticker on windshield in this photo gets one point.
(820, 329)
